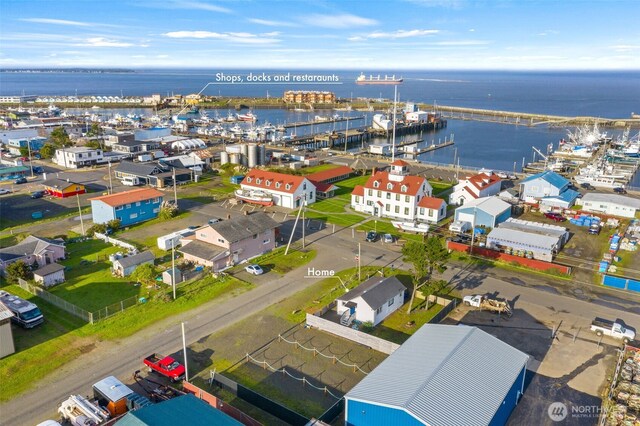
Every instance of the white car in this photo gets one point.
(388, 238)
(254, 269)
(4, 191)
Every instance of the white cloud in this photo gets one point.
(356, 38)
(453, 4)
(103, 42)
(625, 47)
(57, 22)
(548, 32)
(162, 56)
(402, 34)
(244, 38)
(461, 43)
(344, 20)
(197, 5)
(270, 23)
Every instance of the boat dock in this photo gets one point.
(317, 122)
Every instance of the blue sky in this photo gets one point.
(362, 35)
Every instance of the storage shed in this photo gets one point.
(126, 265)
(6, 336)
(442, 375)
(49, 275)
(167, 276)
(486, 211)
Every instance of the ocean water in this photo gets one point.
(478, 144)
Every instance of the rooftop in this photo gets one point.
(58, 183)
(330, 173)
(410, 184)
(136, 259)
(552, 177)
(268, 181)
(445, 369)
(375, 291)
(612, 198)
(48, 269)
(241, 227)
(491, 205)
(201, 249)
(127, 197)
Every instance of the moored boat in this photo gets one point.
(411, 226)
(254, 197)
(363, 79)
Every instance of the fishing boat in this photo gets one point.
(422, 228)
(247, 117)
(363, 79)
(254, 197)
(598, 181)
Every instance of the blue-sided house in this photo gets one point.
(130, 207)
(441, 373)
(485, 211)
(542, 185)
(34, 144)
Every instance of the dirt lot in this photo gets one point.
(562, 369)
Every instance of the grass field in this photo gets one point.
(277, 262)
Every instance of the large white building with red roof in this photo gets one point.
(484, 184)
(394, 193)
(286, 190)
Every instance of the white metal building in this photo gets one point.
(610, 204)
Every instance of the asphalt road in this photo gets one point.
(335, 251)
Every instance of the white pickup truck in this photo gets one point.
(610, 328)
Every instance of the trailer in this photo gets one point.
(79, 411)
(488, 304)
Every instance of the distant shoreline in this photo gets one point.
(66, 70)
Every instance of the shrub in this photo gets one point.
(17, 270)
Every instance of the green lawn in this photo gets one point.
(439, 187)
(277, 262)
(384, 226)
(89, 283)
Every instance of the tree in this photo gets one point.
(59, 138)
(93, 144)
(114, 224)
(145, 273)
(24, 151)
(17, 270)
(168, 210)
(95, 130)
(47, 151)
(426, 257)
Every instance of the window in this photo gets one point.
(287, 186)
(370, 192)
(249, 179)
(397, 209)
(442, 211)
(304, 186)
(133, 215)
(387, 207)
(389, 186)
(369, 203)
(268, 183)
(397, 197)
(119, 208)
(406, 211)
(156, 210)
(203, 235)
(430, 213)
(406, 198)
(127, 206)
(221, 240)
(378, 310)
(391, 301)
(379, 194)
(376, 184)
(357, 200)
(421, 211)
(156, 200)
(388, 195)
(258, 181)
(278, 184)
(403, 188)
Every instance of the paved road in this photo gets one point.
(335, 251)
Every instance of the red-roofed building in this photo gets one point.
(432, 209)
(137, 205)
(286, 190)
(324, 180)
(393, 194)
(484, 184)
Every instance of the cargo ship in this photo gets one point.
(363, 79)
(254, 197)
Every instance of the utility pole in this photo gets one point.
(29, 149)
(184, 353)
(346, 134)
(175, 191)
(110, 183)
(359, 261)
(173, 266)
(393, 137)
(80, 214)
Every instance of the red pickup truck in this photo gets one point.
(165, 365)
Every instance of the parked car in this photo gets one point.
(4, 191)
(38, 169)
(388, 238)
(612, 328)
(214, 220)
(587, 185)
(620, 190)
(594, 229)
(38, 194)
(20, 180)
(555, 216)
(372, 237)
(254, 269)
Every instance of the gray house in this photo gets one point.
(126, 265)
(153, 173)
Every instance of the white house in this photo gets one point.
(372, 301)
(287, 191)
(484, 184)
(393, 194)
(610, 204)
(126, 265)
(431, 209)
(76, 157)
(49, 275)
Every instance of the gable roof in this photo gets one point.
(127, 197)
(358, 190)
(201, 249)
(136, 259)
(251, 179)
(433, 203)
(492, 205)
(375, 291)
(48, 269)
(59, 184)
(330, 173)
(241, 227)
(399, 162)
(412, 183)
(29, 246)
(612, 198)
(140, 169)
(551, 177)
(568, 195)
(483, 181)
(444, 369)
(324, 187)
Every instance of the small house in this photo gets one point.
(32, 249)
(60, 188)
(431, 209)
(49, 275)
(372, 301)
(130, 207)
(126, 265)
(6, 336)
(484, 184)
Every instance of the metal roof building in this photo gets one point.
(485, 211)
(441, 376)
(611, 204)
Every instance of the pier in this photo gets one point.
(528, 119)
(317, 122)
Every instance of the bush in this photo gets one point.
(100, 228)
(114, 224)
(168, 210)
(17, 270)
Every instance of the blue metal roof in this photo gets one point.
(552, 177)
(183, 410)
(568, 195)
(445, 369)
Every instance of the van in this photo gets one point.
(25, 313)
(460, 227)
(131, 181)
